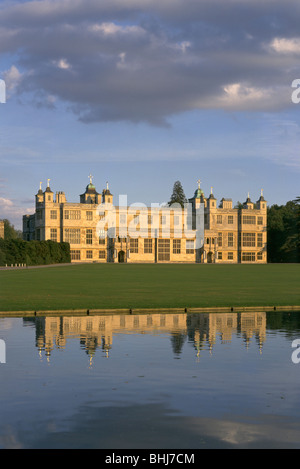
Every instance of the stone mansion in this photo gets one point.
(200, 232)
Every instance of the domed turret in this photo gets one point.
(90, 196)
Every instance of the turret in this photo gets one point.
(90, 196)
(211, 202)
(107, 197)
(248, 204)
(261, 204)
(48, 194)
(39, 198)
(198, 197)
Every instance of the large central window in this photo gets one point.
(72, 235)
(249, 239)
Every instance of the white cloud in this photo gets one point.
(11, 211)
(286, 46)
(5, 203)
(62, 64)
(110, 29)
(12, 78)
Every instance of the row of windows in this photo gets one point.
(246, 256)
(252, 240)
(252, 256)
(248, 239)
(163, 247)
(220, 239)
(251, 220)
(76, 215)
(73, 236)
(76, 254)
(247, 219)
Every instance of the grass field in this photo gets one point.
(110, 286)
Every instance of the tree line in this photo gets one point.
(14, 250)
(283, 231)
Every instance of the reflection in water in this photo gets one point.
(201, 330)
(218, 392)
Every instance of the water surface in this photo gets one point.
(182, 381)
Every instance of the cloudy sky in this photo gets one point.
(142, 93)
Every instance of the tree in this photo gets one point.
(10, 232)
(178, 195)
(284, 232)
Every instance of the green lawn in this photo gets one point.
(110, 286)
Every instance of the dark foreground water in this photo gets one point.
(150, 381)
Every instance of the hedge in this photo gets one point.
(17, 251)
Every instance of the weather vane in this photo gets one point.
(91, 178)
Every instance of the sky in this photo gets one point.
(142, 93)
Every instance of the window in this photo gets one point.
(53, 214)
(89, 254)
(259, 256)
(176, 246)
(248, 239)
(72, 215)
(123, 219)
(163, 219)
(38, 234)
(163, 250)
(136, 220)
(39, 215)
(176, 220)
(249, 220)
(207, 240)
(53, 234)
(230, 240)
(75, 255)
(230, 256)
(134, 245)
(189, 246)
(220, 239)
(219, 219)
(230, 219)
(89, 215)
(101, 237)
(260, 220)
(148, 246)
(259, 240)
(89, 236)
(102, 254)
(220, 255)
(248, 256)
(72, 235)
(149, 219)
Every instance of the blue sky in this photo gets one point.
(142, 94)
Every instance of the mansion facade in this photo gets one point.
(199, 232)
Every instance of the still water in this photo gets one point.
(190, 381)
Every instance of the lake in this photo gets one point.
(188, 381)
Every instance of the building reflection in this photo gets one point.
(202, 330)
